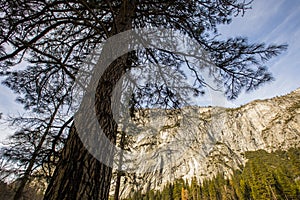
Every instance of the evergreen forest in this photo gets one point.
(274, 175)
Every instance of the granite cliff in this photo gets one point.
(200, 142)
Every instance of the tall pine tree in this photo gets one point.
(56, 36)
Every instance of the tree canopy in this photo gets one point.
(45, 43)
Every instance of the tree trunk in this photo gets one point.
(78, 174)
(119, 172)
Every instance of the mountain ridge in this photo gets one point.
(206, 141)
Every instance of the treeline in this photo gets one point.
(266, 175)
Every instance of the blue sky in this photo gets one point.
(272, 21)
(269, 21)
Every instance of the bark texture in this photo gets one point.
(78, 174)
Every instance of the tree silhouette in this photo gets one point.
(53, 38)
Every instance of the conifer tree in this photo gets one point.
(54, 37)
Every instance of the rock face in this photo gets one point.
(200, 142)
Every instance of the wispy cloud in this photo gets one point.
(253, 23)
(272, 22)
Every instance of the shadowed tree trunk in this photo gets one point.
(78, 174)
(119, 172)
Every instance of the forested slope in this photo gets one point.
(266, 175)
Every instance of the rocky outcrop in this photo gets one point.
(164, 145)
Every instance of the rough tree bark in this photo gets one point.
(78, 174)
